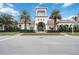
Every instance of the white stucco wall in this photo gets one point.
(3, 27)
(22, 26)
(41, 14)
(28, 27)
(40, 19)
(48, 27)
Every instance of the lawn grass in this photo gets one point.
(74, 33)
(41, 34)
(52, 33)
(8, 33)
(26, 33)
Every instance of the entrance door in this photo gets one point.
(41, 26)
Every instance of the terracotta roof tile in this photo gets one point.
(50, 22)
(65, 21)
(32, 22)
(23, 21)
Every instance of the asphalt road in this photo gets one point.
(39, 45)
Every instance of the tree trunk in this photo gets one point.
(55, 24)
(25, 25)
(5, 27)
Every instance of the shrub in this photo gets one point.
(27, 31)
(50, 31)
(11, 29)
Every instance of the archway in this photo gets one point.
(41, 26)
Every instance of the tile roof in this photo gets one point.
(65, 21)
(50, 22)
(23, 21)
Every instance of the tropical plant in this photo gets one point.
(75, 18)
(15, 23)
(1, 19)
(6, 19)
(55, 15)
(24, 15)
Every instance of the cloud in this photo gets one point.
(1, 5)
(67, 4)
(10, 5)
(69, 18)
(8, 9)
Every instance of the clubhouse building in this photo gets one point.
(42, 23)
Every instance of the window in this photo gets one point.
(38, 19)
(41, 13)
(20, 25)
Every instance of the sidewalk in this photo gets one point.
(65, 34)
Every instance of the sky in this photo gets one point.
(67, 10)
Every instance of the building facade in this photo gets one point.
(41, 22)
(40, 19)
(2, 27)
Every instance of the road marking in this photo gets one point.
(11, 37)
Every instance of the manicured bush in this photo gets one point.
(27, 31)
(30, 31)
(64, 28)
(11, 29)
(50, 31)
(76, 28)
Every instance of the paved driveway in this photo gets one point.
(39, 45)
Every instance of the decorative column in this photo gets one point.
(56, 27)
(3, 27)
(22, 26)
(35, 28)
(46, 27)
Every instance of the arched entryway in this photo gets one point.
(41, 26)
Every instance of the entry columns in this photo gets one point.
(35, 27)
(46, 27)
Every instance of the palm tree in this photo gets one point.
(15, 23)
(55, 15)
(24, 15)
(7, 20)
(1, 23)
(1, 19)
(75, 18)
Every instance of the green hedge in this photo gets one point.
(50, 31)
(27, 31)
(10, 29)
